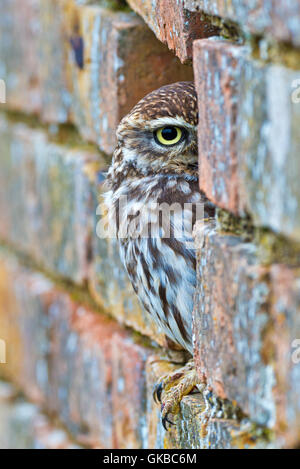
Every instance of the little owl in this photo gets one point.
(153, 202)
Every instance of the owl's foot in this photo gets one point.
(172, 388)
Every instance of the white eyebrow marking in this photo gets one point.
(163, 121)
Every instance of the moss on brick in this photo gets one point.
(230, 223)
(275, 248)
(114, 5)
(63, 134)
(227, 29)
(272, 247)
(275, 52)
(250, 435)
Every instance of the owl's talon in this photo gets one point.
(164, 422)
(172, 388)
(158, 389)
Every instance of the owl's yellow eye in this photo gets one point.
(168, 135)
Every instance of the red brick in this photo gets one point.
(248, 143)
(80, 371)
(83, 369)
(245, 320)
(129, 393)
(22, 327)
(217, 67)
(174, 24)
(80, 366)
(230, 317)
(283, 350)
(269, 146)
(103, 379)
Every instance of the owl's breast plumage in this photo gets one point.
(154, 222)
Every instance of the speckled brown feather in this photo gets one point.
(178, 99)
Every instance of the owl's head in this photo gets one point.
(159, 135)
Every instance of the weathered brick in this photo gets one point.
(23, 426)
(16, 420)
(245, 320)
(33, 58)
(269, 145)
(230, 317)
(55, 77)
(278, 18)
(217, 66)
(53, 354)
(46, 198)
(80, 371)
(174, 24)
(23, 327)
(248, 138)
(284, 351)
(129, 393)
(19, 66)
(86, 370)
(78, 63)
(99, 391)
(80, 366)
(197, 429)
(48, 436)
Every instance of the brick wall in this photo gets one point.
(81, 355)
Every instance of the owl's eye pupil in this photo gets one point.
(169, 133)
